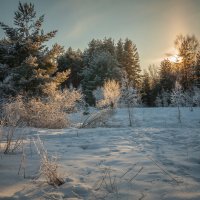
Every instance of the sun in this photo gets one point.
(175, 58)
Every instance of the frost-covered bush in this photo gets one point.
(48, 112)
(14, 110)
(177, 96)
(129, 95)
(108, 95)
(67, 99)
(36, 113)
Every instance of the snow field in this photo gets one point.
(158, 158)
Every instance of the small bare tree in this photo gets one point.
(129, 97)
(177, 99)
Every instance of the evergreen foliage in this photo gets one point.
(71, 60)
(131, 63)
(29, 67)
(146, 89)
(120, 53)
(27, 63)
(100, 64)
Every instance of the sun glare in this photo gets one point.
(175, 58)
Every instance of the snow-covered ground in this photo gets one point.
(157, 158)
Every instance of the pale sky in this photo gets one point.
(151, 24)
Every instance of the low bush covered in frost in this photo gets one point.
(48, 112)
(108, 95)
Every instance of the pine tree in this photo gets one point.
(29, 63)
(109, 45)
(131, 63)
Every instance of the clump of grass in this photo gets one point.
(48, 165)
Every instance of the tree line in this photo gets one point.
(28, 66)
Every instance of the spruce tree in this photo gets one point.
(109, 46)
(120, 53)
(131, 63)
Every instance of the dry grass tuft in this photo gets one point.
(49, 165)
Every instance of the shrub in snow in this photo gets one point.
(49, 112)
(37, 113)
(67, 100)
(108, 95)
(45, 114)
